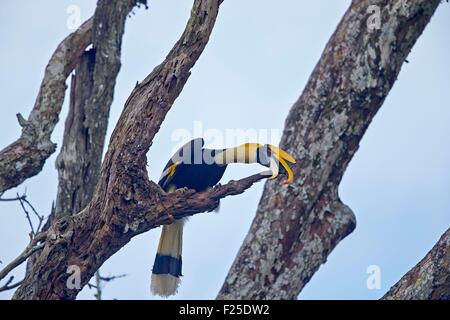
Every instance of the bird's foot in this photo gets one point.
(184, 190)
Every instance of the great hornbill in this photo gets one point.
(198, 168)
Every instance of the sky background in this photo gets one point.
(254, 67)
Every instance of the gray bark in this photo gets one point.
(26, 156)
(297, 226)
(429, 279)
(92, 94)
(76, 176)
(125, 203)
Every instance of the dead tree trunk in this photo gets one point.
(76, 179)
(297, 226)
(125, 203)
(92, 91)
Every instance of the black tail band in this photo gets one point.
(167, 265)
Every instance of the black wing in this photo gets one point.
(184, 155)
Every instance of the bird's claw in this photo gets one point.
(184, 190)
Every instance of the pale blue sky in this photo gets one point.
(256, 64)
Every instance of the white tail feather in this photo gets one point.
(170, 244)
(164, 285)
(171, 239)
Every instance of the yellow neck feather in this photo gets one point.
(245, 153)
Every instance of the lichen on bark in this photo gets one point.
(297, 226)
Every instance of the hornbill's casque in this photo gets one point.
(198, 168)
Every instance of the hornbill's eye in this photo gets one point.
(277, 160)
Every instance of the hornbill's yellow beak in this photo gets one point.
(268, 155)
(280, 157)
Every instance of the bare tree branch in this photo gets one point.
(26, 156)
(70, 236)
(22, 199)
(17, 198)
(429, 279)
(73, 194)
(9, 286)
(111, 278)
(32, 247)
(100, 282)
(27, 215)
(38, 216)
(98, 286)
(91, 97)
(125, 202)
(297, 226)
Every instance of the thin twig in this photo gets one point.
(23, 197)
(40, 218)
(23, 200)
(9, 286)
(99, 279)
(91, 286)
(99, 288)
(111, 278)
(27, 215)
